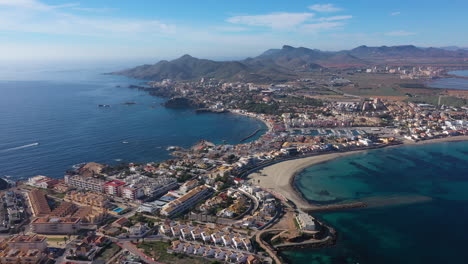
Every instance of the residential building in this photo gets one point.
(28, 242)
(138, 229)
(87, 199)
(91, 215)
(186, 201)
(16, 256)
(23, 250)
(132, 192)
(38, 203)
(114, 187)
(64, 209)
(90, 247)
(56, 225)
(85, 183)
(187, 186)
(121, 222)
(306, 222)
(152, 187)
(41, 181)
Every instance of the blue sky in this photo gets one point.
(218, 29)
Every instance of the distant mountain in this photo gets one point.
(190, 68)
(293, 59)
(289, 62)
(186, 68)
(454, 48)
(406, 51)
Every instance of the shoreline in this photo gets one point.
(280, 177)
(253, 116)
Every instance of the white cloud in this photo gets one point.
(400, 33)
(326, 8)
(274, 20)
(397, 13)
(32, 16)
(334, 18)
(322, 26)
(69, 31)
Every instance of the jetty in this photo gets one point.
(251, 135)
(334, 207)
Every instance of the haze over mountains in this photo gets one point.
(288, 62)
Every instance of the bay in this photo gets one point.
(50, 120)
(419, 205)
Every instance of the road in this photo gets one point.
(134, 250)
(271, 251)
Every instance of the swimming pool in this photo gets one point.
(118, 210)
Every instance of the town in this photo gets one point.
(201, 206)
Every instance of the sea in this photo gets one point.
(418, 205)
(417, 196)
(50, 121)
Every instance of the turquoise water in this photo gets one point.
(419, 205)
(52, 123)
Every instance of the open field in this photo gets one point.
(108, 252)
(391, 87)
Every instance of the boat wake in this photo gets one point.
(20, 147)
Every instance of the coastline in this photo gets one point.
(279, 178)
(254, 116)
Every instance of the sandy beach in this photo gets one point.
(279, 177)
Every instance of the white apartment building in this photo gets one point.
(186, 201)
(85, 183)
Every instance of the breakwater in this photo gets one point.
(251, 135)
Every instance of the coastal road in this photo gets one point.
(271, 251)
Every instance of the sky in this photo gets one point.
(90, 30)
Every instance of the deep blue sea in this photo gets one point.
(452, 83)
(58, 110)
(418, 197)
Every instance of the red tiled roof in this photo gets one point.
(115, 183)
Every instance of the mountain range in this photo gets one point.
(289, 62)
